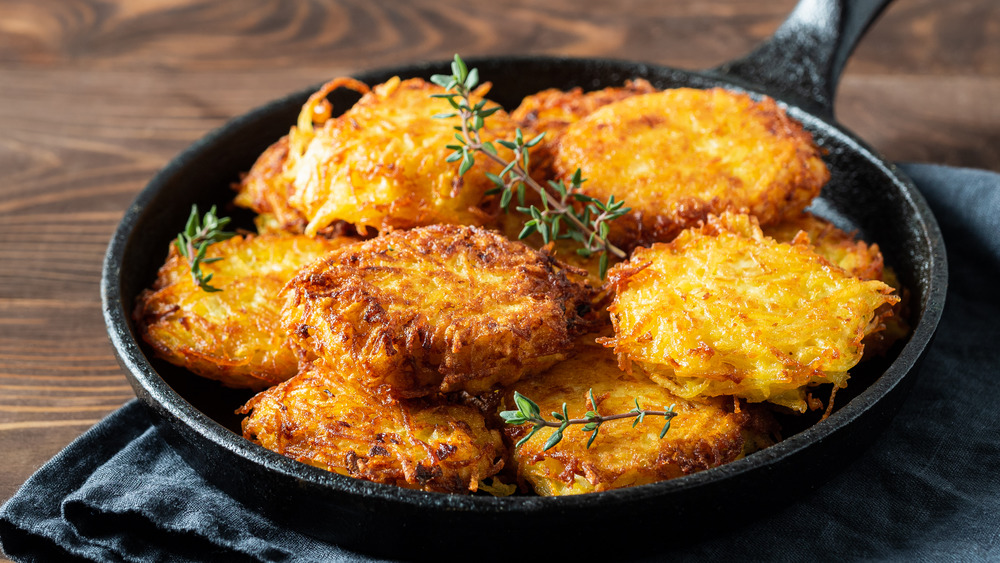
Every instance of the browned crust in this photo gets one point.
(439, 308)
(324, 419)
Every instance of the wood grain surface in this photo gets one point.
(95, 96)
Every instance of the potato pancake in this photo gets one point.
(678, 155)
(704, 434)
(381, 164)
(724, 310)
(552, 111)
(324, 418)
(437, 309)
(232, 335)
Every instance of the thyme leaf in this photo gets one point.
(199, 233)
(528, 412)
(565, 213)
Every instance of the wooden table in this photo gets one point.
(96, 96)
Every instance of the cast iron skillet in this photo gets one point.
(799, 67)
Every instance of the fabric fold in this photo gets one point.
(121, 493)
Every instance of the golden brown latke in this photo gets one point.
(724, 310)
(440, 308)
(325, 418)
(704, 434)
(381, 164)
(678, 155)
(552, 111)
(231, 335)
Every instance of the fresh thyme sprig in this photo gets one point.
(588, 225)
(528, 413)
(200, 233)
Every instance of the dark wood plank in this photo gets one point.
(914, 36)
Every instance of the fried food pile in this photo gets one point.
(387, 312)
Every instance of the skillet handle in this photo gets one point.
(802, 62)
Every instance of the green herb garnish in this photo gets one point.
(557, 218)
(528, 413)
(193, 242)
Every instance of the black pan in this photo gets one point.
(800, 67)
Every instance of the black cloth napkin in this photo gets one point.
(929, 489)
